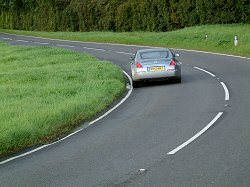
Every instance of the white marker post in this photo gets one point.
(236, 40)
(206, 37)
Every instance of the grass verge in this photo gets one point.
(45, 92)
(220, 38)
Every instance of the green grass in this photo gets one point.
(220, 38)
(46, 92)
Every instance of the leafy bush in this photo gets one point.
(117, 15)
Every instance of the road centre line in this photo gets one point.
(51, 39)
(205, 71)
(23, 41)
(6, 38)
(222, 83)
(65, 45)
(113, 44)
(226, 91)
(96, 49)
(83, 128)
(41, 43)
(171, 152)
(196, 135)
(120, 52)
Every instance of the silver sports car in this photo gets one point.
(155, 64)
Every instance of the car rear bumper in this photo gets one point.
(144, 75)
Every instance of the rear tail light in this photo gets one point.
(172, 63)
(138, 65)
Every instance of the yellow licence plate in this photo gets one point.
(157, 68)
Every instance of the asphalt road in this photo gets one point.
(136, 144)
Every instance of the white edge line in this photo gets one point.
(86, 126)
(197, 51)
(112, 44)
(205, 71)
(197, 135)
(226, 91)
(213, 53)
(172, 152)
(122, 101)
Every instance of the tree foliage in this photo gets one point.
(119, 15)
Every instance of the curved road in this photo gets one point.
(196, 133)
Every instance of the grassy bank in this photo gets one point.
(220, 38)
(45, 92)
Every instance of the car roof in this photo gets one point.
(154, 49)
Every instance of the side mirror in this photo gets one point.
(176, 55)
(132, 58)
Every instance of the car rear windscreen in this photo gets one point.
(154, 54)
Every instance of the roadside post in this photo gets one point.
(206, 36)
(236, 40)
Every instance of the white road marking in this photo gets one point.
(122, 101)
(226, 91)
(206, 52)
(24, 154)
(25, 41)
(205, 71)
(197, 135)
(178, 148)
(61, 45)
(42, 43)
(120, 52)
(142, 170)
(86, 126)
(112, 44)
(6, 38)
(96, 49)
